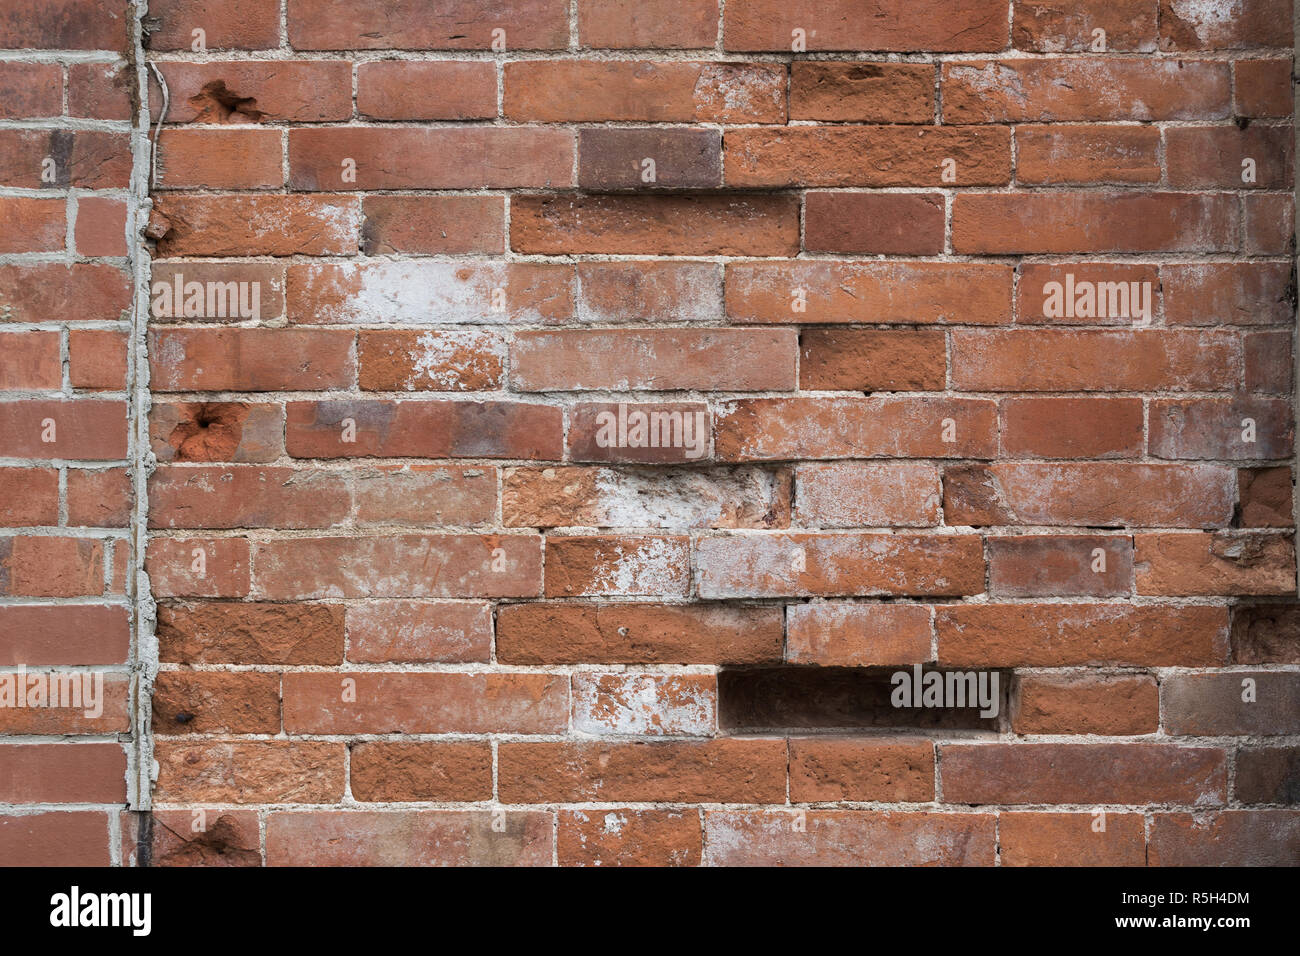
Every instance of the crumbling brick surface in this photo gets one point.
(569, 422)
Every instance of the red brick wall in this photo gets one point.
(412, 607)
(66, 558)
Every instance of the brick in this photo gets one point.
(373, 702)
(611, 633)
(659, 360)
(629, 837)
(399, 565)
(645, 432)
(1072, 839)
(106, 712)
(1255, 23)
(865, 156)
(247, 496)
(425, 430)
(35, 291)
(1068, 635)
(902, 224)
(99, 499)
(1089, 495)
(721, 224)
(1088, 293)
(1268, 224)
(215, 291)
(71, 838)
(848, 838)
(1060, 565)
(256, 91)
(657, 24)
(1228, 838)
(419, 632)
(199, 837)
(857, 635)
(649, 291)
(30, 90)
(412, 292)
(433, 225)
(1038, 90)
(911, 293)
(591, 91)
(433, 361)
(29, 497)
(885, 771)
(893, 25)
(1226, 293)
(198, 567)
(1267, 775)
(1214, 157)
(678, 158)
(100, 90)
(424, 771)
(1085, 704)
(1264, 498)
(1266, 634)
(35, 225)
(64, 25)
(435, 157)
(1067, 360)
(727, 771)
(669, 500)
(1060, 222)
(867, 494)
(101, 227)
(648, 705)
(220, 159)
(1202, 564)
(249, 771)
(1221, 428)
(214, 702)
(1092, 427)
(1242, 703)
(250, 633)
(427, 495)
(63, 773)
(1066, 26)
(403, 90)
(409, 838)
(1269, 362)
(1263, 87)
(97, 359)
(48, 566)
(216, 431)
(872, 360)
(30, 360)
(211, 225)
(827, 565)
(1053, 155)
(250, 360)
(60, 634)
(580, 565)
(411, 25)
(226, 24)
(1134, 773)
(862, 92)
(780, 428)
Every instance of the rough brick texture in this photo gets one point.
(522, 370)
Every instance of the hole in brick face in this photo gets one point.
(832, 699)
(216, 104)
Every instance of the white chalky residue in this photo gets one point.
(1204, 15)
(427, 293)
(435, 358)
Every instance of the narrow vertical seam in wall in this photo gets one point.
(1295, 312)
(144, 645)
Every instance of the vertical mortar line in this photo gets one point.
(143, 657)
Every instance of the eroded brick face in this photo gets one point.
(519, 369)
